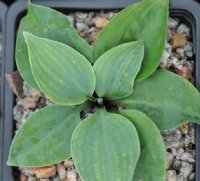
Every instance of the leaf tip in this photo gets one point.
(9, 161)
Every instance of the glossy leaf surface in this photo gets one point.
(168, 99)
(152, 163)
(44, 139)
(105, 146)
(146, 20)
(63, 75)
(116, 70)
(47, 23)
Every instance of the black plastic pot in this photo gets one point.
(3, 10)
(187, 10)
(7, 2)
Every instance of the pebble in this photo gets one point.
(186, 169)
(180, 152)
(173, 23)
(61, 171)
(23, 177)
(172, 138)
(188, 157)
(164, 60)
(185, 127)
(174, 152)
(177, 165)
(183, 29)
(180, 53)
(110, 15)
(188, 47)
(28, 103)
(191, 176)
(178, 40)
(45, 172)
(81, 16)
(71, 176)
(171, 175)
(82, 27)
(170, 160)
(30, 178)
(189, 54)
(94, 35)
(181, 178)
(101, 22)
(21, 114)
(36, 95)
(27, 171)
(68, 163)
(184, 72)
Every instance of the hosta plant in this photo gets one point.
(116, 78)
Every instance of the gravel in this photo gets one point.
(177, 57)
(180, 143)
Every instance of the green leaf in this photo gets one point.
(152, 163)
(63, 75)
(146, 20)
(47, 23)
(168, 99)
(44, 139)
(105, 146)
(117, 68)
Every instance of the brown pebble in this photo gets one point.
(28, 103)
(178, 40)
(184, 129)
(45, 172)
(36, 94)
(68, 163)
(61, 171)
(15, 83)
(65, 179)
(184, 72)
(101, 22)
(94, 35)
(23, 177)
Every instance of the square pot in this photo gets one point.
(187, 10)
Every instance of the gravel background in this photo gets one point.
(180, 143)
